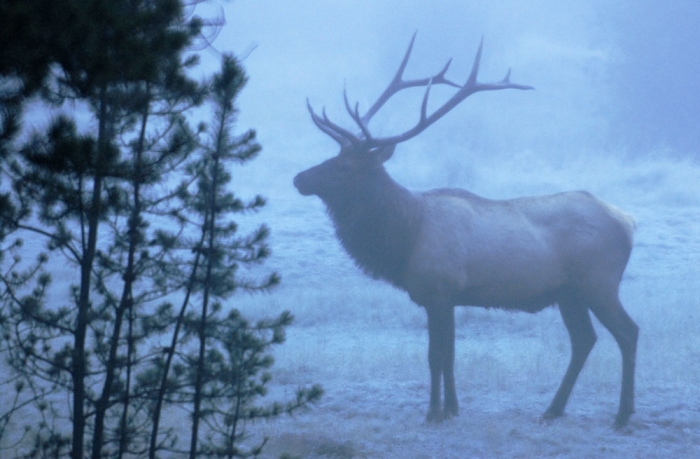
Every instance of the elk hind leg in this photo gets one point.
(625, 331)
(583, 338)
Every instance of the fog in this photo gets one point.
(614, 76)
(614, 112)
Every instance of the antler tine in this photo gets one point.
(424, 105)
(473, 86)
(319, 124)
(507, 78)
(398, 83)
(440, 77)
(469, 88)
(355, 115)
(340, 135)
(471, 81)
(393, 87)
(349, 136)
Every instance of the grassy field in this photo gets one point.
(366, 343)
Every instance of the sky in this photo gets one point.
(616, 74)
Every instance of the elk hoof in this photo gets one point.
(434, 416)
(450, 412)
(621, 420)
(550, 415)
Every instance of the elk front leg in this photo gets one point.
(441, 354)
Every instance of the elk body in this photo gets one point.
(449, 247)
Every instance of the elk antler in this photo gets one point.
(345, 137)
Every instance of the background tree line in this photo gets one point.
(136, 203)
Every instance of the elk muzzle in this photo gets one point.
(301, 183)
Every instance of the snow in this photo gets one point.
(366, 343)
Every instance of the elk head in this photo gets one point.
(362, 155)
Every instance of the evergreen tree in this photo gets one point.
(106, 199)
(124, 61)
(220, 368)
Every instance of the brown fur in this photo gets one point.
(450, 247)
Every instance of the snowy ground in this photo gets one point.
(367, 343)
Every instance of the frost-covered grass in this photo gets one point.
(366, 342)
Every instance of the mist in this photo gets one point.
(614, 112)
(609, 76)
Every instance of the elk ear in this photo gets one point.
(382, 154)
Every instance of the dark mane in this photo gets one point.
(378, 226)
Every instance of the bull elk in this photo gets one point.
(448, 247)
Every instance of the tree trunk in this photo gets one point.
(78, 371)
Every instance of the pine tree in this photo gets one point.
(222, 356)
(116, 200)
(124, 61)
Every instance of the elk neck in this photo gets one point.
(377, 222)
